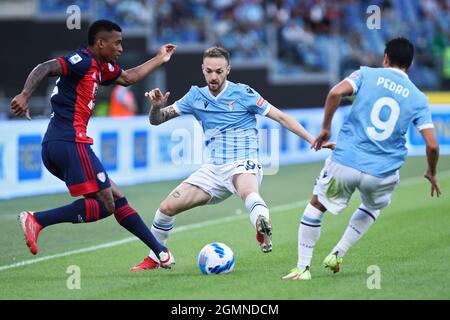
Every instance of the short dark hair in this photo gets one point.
(400, 52)
(101, 25)
(216, 52)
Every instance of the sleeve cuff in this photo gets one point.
(353, 84)
(63, 63)
(267, 109)
(425, 126)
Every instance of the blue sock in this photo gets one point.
(81, 210)
(130, 220)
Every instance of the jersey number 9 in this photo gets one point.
(386, 127)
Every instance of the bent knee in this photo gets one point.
(245, 193)
(317, 204)
(168, 208)
(110, 207)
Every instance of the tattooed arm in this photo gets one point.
(158, 114)
(19, 104)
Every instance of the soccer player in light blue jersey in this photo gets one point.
(370, 150)
(227, 112)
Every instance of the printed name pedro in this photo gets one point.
(227, 309)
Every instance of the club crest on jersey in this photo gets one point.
(230, 104)
(75, 59)
(110, 67)
(101, 176)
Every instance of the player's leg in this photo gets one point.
(247, 187)
(185, 196)
(332, 191)
(131, 221)
(204, 186)
(71, 163)
(375, 195)
(308, 234)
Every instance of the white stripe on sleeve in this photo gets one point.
(425, 126)
(267, 110)
(353, 84)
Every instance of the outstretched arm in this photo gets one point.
(429, 136)
(289, 123)
(133, 75)
(158, 114)
(292, 125)
(19, 104)
(343, 88)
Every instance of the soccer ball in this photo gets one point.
(216, 258)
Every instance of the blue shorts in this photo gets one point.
(75, 164)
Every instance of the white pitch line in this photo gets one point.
(68, 253)
(280, 208)
(131, 239)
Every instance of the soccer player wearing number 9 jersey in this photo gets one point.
(369, 152)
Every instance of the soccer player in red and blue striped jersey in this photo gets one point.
(66, 148)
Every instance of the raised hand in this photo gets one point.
(157, 99)
(166, 51)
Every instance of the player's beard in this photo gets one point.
(215, 87)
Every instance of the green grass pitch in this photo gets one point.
(410, 243)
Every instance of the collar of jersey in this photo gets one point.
(220, 93)
(399, 71)
(91, 54)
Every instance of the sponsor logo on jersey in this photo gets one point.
(75, 59)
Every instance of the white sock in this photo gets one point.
(256, 206)
(161, 228)
(358, 225)
(308, 235)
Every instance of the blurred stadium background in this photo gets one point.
(291, 52)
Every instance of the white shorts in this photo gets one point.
(336, 184)
(217, 180)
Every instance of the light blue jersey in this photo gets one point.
(372, 139)
(228, 120)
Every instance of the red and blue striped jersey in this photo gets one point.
(73, 98)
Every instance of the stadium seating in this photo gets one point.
(298, 35)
